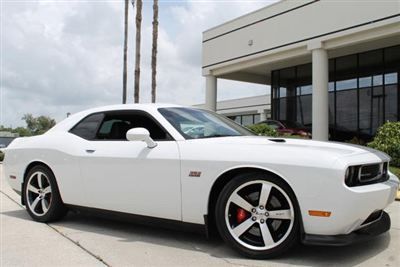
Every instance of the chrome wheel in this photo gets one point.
(259, 215)
(38, 193)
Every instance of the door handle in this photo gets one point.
(90, 151)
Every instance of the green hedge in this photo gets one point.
(395, 171)
(263, 129)
(387, 140)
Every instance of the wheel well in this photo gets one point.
(34, 164)
(28, 168)
(219, 185)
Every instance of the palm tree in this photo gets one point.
(124, 78)
(154, 52)
(137, 55)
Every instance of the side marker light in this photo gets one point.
(319, 213)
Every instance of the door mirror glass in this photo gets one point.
(141, 134)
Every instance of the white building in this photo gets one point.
(247, 110)
(330, 64)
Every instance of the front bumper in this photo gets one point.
(376, 228)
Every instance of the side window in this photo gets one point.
(116, 124)
(87, 128)
(114, 128)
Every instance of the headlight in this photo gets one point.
(351, 176)
(366, 174)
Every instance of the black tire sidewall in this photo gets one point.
(223, 197)
(57, 208)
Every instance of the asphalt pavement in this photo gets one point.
(80, 240)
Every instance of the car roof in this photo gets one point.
(69, 122)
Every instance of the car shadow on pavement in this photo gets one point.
(130, 232)
(74, 224)
(19, 214)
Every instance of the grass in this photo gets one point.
(395, 170)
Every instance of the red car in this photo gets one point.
(284, 127)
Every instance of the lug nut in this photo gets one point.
(261, 207)
(254, 218)
(267, 214)
(253, 210)
(261, 221)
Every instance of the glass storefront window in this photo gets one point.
(331, 86)
(391, 105)
(282, 92)
(365, 82)
(247, 120)
(363, 93)
(346, 84)
(391, 78)
(306, 90)
(377, 80)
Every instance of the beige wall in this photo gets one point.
(306, 20)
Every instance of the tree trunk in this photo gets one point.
(154, 52)
(124, 78)
(137, 56)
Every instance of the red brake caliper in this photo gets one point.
(240, 215)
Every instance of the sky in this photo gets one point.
(59, 57)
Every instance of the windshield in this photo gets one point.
(197, 123)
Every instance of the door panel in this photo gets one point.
(130, 177)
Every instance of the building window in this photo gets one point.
(246, 120)
(363, 93)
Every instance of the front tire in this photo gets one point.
(257, 214)
(42, 197)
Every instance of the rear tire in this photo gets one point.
(42, 197)
(257, 214)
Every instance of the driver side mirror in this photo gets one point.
(141, 134)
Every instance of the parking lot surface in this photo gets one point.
(80, 240)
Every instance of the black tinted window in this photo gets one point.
(87, 128)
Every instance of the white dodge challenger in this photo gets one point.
(168, 165)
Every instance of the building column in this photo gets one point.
(320, 94)
(211, 93)
(263, 115)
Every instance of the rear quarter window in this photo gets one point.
(87, 128)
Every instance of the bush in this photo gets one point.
(387, 140)
(263, 129)
(395, 171)
(356, 141)
(1, 156)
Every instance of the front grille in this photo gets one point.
(369, 173)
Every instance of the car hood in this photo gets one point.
(286, 145)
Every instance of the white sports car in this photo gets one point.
(262, 194)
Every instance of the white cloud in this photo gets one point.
(60, 56)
